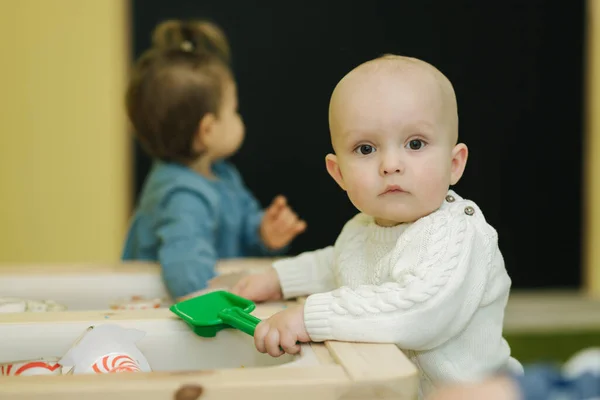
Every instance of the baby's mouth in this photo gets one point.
(393, 189)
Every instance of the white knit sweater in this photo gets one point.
(436, 287)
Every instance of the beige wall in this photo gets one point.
(592, 152)
(64, 156)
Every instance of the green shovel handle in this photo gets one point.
(239, 319)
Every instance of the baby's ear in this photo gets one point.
(205, 134)
(460, 153)
(333, 168)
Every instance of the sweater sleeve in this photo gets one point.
(307, 273)
(185, 228)
(314, 271)
(439, 273)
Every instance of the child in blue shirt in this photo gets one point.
(194, 208)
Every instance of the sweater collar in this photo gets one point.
(392, 233)
(386, 234)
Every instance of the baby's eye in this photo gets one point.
(416, 144)
(365, 149)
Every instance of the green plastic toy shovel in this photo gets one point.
(214, 311)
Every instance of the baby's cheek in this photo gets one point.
(360, 190)
(365, 181)
(433, 182)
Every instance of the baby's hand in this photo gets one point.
(282, 331)
(280, 225)
(259, 287)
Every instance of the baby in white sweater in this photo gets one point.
(419, 266)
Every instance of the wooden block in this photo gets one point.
(322, 353)
(379, 370)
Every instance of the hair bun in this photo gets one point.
(191, 36)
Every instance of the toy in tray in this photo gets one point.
(214, 311)
(100, 349)
(106, 349)
(136, 303)
(209, 313)
(16, 305)
(39, 366)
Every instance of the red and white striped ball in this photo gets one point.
(43, 366)
(115, 362)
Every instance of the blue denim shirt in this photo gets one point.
(187, 222)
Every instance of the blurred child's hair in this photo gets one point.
(175, 84)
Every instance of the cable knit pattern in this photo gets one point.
(437, 288)
(308, 273)
(421, 281)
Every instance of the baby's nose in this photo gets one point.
(390, 170)
(391, 165)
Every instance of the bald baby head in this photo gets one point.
(394, 84)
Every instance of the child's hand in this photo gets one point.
(280, 225)
(283, 329)
(259, 287)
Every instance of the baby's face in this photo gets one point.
(394, 137)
